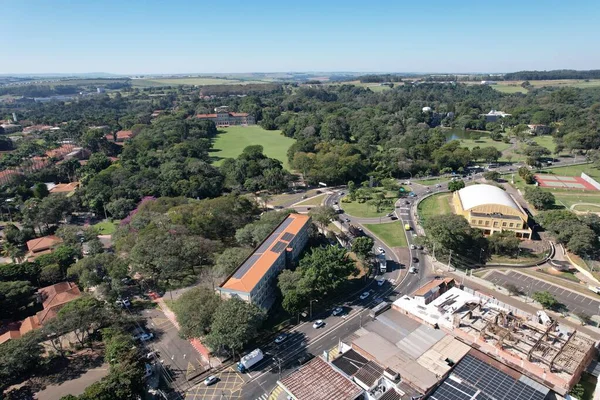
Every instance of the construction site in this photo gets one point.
(541, 349)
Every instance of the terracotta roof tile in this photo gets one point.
(54, 297)
(65, 187)
(43, 243)
(266, 259)
(206, 116)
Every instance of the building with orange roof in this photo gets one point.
(65, 188)
(120, 136)
(54, 297)
(61, 152)
(433, 289)
(253, 280)
(223, 117)
(42, 245)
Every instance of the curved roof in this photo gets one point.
(478, 195)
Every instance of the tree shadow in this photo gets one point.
(62, 369)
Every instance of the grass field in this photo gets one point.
(315, 201)
(437, 204)
(484, 141)
(231, 141)
(587, 207)
(510, 88)
(106, 227)
(364, 210)
(568, 198)
(143, 83)
(546, 141)
(391, 233)
(433, 181)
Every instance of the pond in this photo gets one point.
(460, 134)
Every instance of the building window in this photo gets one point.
(511, 225)
(504, 224)
(487, 223)
(495, 224)
(480, 222)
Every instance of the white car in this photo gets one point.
(281, 338)
(413, 247)
(144, 337)
(380, 282)
(412, 270)
(210, 380)
(318, 323)
(364, 295)
(337, 311)
(381, 250)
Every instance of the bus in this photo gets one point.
(381, 260)
(379, 308)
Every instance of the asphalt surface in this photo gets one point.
(575, 303)
(305, 339)
(178, 359)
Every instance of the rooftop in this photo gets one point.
(54, 297)
(318, 380)
(43, 243)
(478, 195)
(477, 377)
(432, 286)
(350, 362)
(64, 187)
(252, 270)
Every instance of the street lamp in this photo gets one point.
(311, 307)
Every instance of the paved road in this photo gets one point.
(529, 285)
(179, 359)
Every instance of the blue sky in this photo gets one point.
(173, 36)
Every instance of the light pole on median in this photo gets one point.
(311, 307)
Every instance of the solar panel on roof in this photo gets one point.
(266, 244)
(287, 236)
(241, 271)
(279, 247)
(283, 225)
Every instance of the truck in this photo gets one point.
(337, 209)
(382, 263)
(249, 360)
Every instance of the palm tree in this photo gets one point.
(12, 251)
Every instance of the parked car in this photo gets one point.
(305, 358)
(380, 282)
(412, 247)
(390, 215)
(412, 270)
(364, 295)
(210, 380)
(281, 338)
(420, 247)
(438, 186)
(406, 202)
(144, 336)
(393, 218)
(123, 302)
(148, 370)
(337, 311)
(318, 323)
(380, 250)
(347, 220)
(415, 260)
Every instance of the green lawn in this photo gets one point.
(484, 141)
(546, 141)
(198, 81)
(437, 204)
(315, 201)
(106, 227)
(364, 210)
(230, 142)
(510, 88)
(568, 198)
(587, 207)
(391, 233)
(576, 170)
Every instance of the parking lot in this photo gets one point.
(574, 302)
(229, 386)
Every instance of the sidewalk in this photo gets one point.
(531, 308)
(212, 362)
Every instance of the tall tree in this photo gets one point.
(195, 311)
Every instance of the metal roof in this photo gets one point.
(478, 195)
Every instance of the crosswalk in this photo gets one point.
(273, 396)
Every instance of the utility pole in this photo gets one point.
(433, 251)
(449, 259)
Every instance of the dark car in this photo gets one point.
(415, 260)
(305, 358)
(393, 218)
